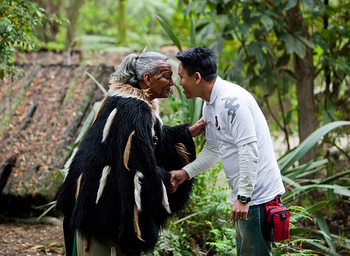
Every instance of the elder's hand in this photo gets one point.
(198, 128)
(177, 178)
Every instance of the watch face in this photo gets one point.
(243, 199)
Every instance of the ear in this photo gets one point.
(147, 79)
(198, 77)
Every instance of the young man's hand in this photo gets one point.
(239, 211)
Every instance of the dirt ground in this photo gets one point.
(26, 237)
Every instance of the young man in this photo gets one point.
(236, 132)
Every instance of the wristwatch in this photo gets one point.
(244, 199)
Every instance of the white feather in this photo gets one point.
(165, 200)
(108, 124)
(103, 181)
(113, 251)
(137, 192)
(69, 162)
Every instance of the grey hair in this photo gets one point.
(133, 67)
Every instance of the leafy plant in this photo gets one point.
(294, 177)
(18, 19)
(196, 230)
(300, 188)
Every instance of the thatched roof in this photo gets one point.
(42, 113)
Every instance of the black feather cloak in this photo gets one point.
(116, 188)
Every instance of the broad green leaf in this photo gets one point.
(221, 19)
(170, 32)
(308, 166)
(277, 3)
(342, 241)
(299, 231)
(317, 207)
(267, 22)
(193, 33)
(290, 158)
(200, 7)
(323, 248)
(307, 42)
(289, 41)
(291, 4)
(269, 50)
(308, 172)
(321, 5)
(335, 177)
(337, 189)
(246, 14)
(309, 4)
(244, 29)
(289, 181)
(254, 49)
(296, 171)
(325, 231)
(188, 8)
(300, 48)
(207, 30)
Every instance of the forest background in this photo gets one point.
(292, 55)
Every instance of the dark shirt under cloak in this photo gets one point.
(113, 217)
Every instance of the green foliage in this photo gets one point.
(203, 226)
(18, 19)
(99, 19)
(224, 242)
(191, 108)
(293, 177)
(258, 45)
(303, 189)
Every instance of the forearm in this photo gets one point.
(205, 160)
(248, 167)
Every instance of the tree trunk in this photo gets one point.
(72, 16)
(304, 70)
(122, 22)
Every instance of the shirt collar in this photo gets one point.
(215, 90)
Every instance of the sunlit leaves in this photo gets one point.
(17, 21)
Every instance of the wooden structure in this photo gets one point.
(42, 113)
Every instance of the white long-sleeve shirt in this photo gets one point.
(237, 132)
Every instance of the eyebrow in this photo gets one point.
(165, 73)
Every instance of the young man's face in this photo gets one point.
(187, 82)
(162, 81)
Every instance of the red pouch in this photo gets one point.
(277, 218)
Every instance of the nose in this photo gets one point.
(171, 82)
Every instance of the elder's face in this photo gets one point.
(162, 81)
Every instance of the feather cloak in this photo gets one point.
(116, 185)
